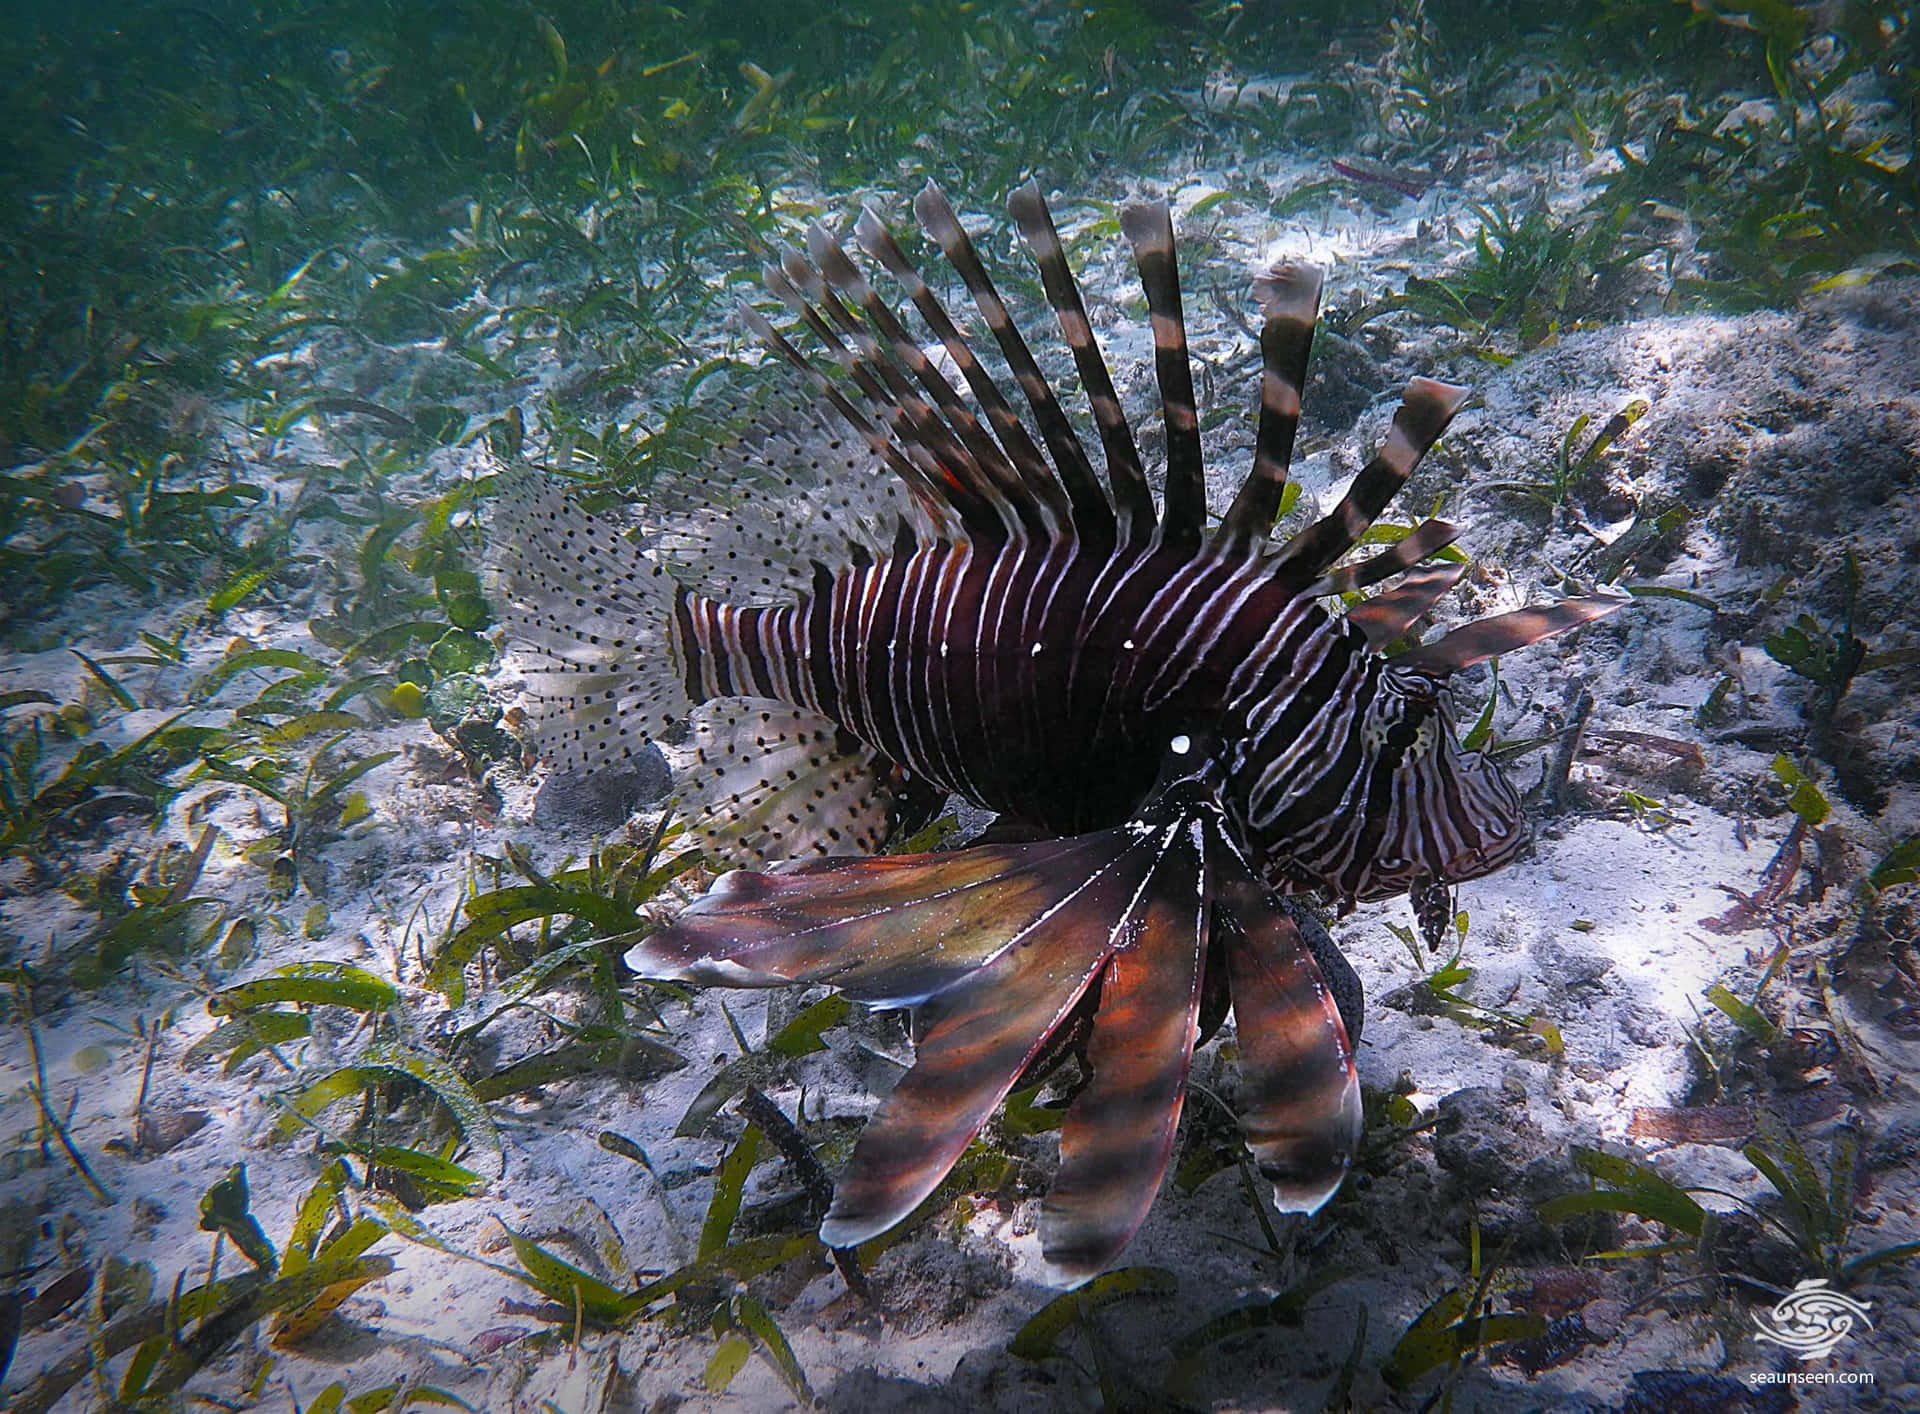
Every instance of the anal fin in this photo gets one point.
(776, 782)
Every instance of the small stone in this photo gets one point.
(601, 801)
(1603, 1315)
(1477, 1136)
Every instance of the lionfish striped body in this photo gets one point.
(1169, 702)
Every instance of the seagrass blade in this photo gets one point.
(1119, 1131)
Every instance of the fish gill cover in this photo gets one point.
(308, 304)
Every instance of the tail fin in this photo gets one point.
(594, 615)
(612, 646)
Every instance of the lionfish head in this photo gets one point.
(1451, 815)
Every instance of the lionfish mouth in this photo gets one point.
(1495, 827)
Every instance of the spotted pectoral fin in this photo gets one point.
(890, 931)
(1119, 1131)
(772, 781)
(1299, 1096)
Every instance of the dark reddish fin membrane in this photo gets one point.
(889, 931)
(1489, 638)
(1299, 1095)
(1149, 228)
(1124, 472)
(1119, 1131)
(1425, 410)
(1386, 616)
(977, 1036)
(1289, 298)
(1069, 457)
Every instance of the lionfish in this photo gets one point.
(931, 596)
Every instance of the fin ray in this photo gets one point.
(1488, 638)
(1119, 1131)
(596, 613)
(889, 931)
(1149, 227)
(1298, 1101)
(1426, 407)
(1386, 616)
(1403, 554)
(1070, 462)
(1125, 475)
(976, 1038)
(1289, 298)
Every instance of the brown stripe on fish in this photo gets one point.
(1149, 227)
(1289, 298)
(1131, 495)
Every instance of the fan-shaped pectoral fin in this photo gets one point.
(1299, 1095)
(1119, 1132)
(995, 945)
